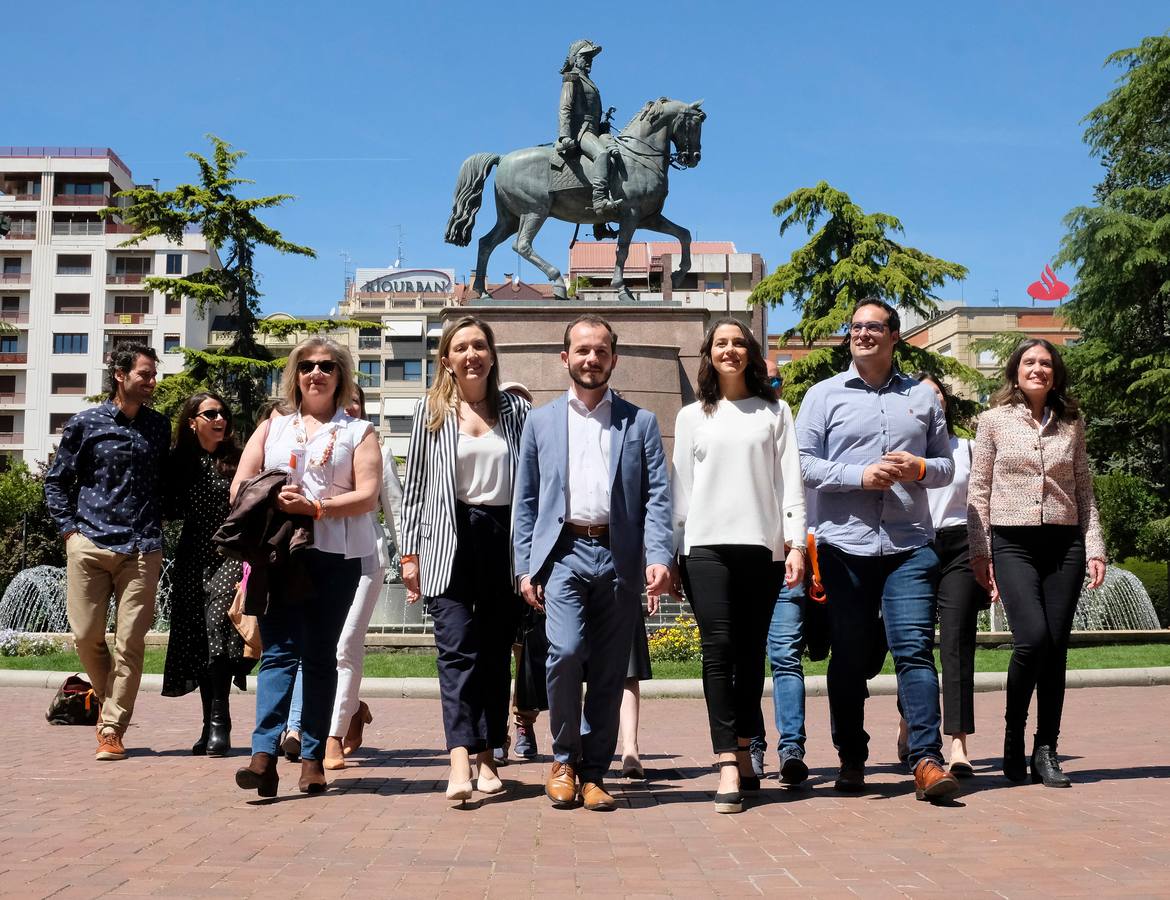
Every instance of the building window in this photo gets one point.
(84, 189)
(7, 387)
(131, 305)
(71, 304)
(73, 264)
(404, 370)
(57, 422)
(988, 358)
(9, 343)
(713, 285)
(132, 265)
(170, 343)
(782, 359)
(373, 418)
(399, 424)
(430, 372)
(1071, 342)
(369, 374)
(174, 306)
(9, 309)
(12, 265)
(174, 263)
(945, 350)
(71, 343)
(68, 383)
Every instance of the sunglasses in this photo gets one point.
(212, 414)
(305, 366)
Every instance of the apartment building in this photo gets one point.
(69, 292)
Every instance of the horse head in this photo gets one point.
(663, 122)
(687, 134)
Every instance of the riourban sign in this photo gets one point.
(405, 281)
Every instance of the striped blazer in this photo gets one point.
(429, 492)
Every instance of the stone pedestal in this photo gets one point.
(658, 348)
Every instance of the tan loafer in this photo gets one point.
(596, 797)
(561, 786)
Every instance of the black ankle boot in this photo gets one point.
(1015, 765)
(219, 739)
(1046, 767)
(200, 746)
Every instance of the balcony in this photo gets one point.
(78, 228)
(119, 228)
(15, 277)
(22, 231)
(11, 438)
(14, 359)
(370, 343)
(81, 200)
(126, 277)
(13, 317)
(125, 318)
(11, 398)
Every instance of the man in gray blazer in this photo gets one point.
(591, 533)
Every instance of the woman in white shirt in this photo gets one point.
(739, 530)
(335, 470)
(457, 540)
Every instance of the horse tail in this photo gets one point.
(468, 197)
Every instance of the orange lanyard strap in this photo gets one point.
(816, 590)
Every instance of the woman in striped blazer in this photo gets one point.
(456, 542)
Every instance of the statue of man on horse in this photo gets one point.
(627, 181)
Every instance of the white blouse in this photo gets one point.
(288, 447)
(483, 475)
(948, 505)
(736, 477)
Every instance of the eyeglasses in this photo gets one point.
(212, 414)
(868, 327)
(305, 366)
(775, 382)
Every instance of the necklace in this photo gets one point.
(303, 440)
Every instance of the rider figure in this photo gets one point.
(581, 127)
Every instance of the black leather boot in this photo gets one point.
(219, 739)
(1046, 767)
(200, 746)
(1015, 765)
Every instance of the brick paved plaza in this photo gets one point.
(166, 824)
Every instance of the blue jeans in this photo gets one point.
(590, 626)
(294, 708)
(785, 644)
(902, 587)
(304, 634)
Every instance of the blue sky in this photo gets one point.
(963, 121)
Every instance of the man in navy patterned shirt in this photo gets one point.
(104, 493)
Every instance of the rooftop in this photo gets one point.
(34, 152)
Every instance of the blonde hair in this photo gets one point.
(444, 392)
(290, 388)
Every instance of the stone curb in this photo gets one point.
(658, 688)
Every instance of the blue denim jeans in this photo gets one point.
(294, 708)
(902, 587)
(785, 645)
(304, 635)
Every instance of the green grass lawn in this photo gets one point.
(422, 665)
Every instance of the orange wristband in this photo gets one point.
(318, 509)
(921, 468)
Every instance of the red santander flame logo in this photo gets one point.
(1049, 287)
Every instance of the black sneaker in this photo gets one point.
(851, 778)
(793, 770)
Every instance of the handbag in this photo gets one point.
(248, 626)
(75, 703)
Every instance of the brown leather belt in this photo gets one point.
(591, 531)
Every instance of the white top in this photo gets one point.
(390, 502)
(736, 477)
(948, 505)
(483, 475)
(589, 439)
(287, 442)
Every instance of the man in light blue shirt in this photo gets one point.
(871, 441)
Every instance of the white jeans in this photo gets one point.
(351, 649)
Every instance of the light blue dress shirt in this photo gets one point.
(845, 425)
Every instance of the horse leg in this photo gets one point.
(625, 234)
(530, 224)
(506, 225)
(663, 225)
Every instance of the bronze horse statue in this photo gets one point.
(535, 183)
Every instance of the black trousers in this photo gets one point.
(732, 589)
(959, 600)
(475, 622)
(1039, 570)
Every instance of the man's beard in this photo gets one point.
(580, 382)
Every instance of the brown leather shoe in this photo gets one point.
(561, 787)
(596, 797)
(259, 775)
(933, 782)
(312, 776)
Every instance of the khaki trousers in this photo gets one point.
(93, 575)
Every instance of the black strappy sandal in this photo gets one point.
(731, 802)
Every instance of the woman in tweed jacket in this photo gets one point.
(1033, 528)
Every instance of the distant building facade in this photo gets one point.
(69, 293)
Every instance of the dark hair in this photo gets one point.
(122, 359)
(948, 398)
(755, 374)
(592, 319)
(268, 407)
(1063, 405)
(187, 450)
(361, 399)
(894, 321)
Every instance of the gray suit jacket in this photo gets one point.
(640, 511)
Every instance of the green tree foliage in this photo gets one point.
(1126, 505)
(1121, 251)
(850, 256)
(19, 493)
(230, 223)
(28, 536)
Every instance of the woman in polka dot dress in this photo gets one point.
(204, 650)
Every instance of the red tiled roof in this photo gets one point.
(588, 256)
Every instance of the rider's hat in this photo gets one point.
(582, 46)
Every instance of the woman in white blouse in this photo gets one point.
(739, 530)
(456, 543)
(335, 472)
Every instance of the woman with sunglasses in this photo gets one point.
(457, 543)
(204, 650)
(740, 533)
(334, 469)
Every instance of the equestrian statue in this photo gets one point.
(589, 177)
